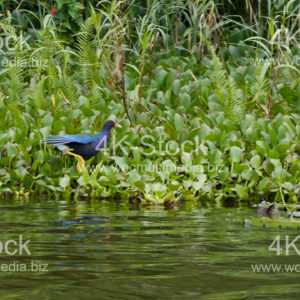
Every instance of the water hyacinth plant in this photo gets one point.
(209, 102)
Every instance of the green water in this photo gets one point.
(111, 250)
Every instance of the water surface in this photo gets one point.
(111, 250)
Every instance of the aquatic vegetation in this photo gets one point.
(203, 115)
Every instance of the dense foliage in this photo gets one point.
(209, 101)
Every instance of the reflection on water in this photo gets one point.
(110, 250)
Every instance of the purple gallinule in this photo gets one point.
(82, 146)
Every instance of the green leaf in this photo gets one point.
(234, 51)
(178, 121)
(122, 163)
(273, 154)
(133, 177)
(239, 168)
(204, 131)
(176, 86)
(282, 148)
(48, 120)
(64, 181)
(242, 191)
(263, 183)
(56, 163)
(263, 148)
(185, 100)
(251, 135)
(155, 187)
(224, 174)
(11, 150)
(136, 152)
(144, 118)
(161, 75)
(197, 185)
(255, 161)
(168, 166)
(216, 156)
(279, 174)
(236, 154)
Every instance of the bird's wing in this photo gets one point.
(65, 139)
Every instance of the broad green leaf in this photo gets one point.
(133, 177)
(263, 148)
(64, 181)
(144, 118)
(178, 121)
(197, 185)
(122, 163)
(161, 75)
(241, 191)
(176, 86)
(236, 154)
(185, 100)
(11, 150)
(255, 161)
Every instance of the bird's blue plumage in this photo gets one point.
(79, 138)
(85, 145)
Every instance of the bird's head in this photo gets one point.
(111, 124)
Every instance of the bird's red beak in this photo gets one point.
(117, 125)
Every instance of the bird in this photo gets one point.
(82, 146)
(269, 211)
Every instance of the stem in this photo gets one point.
(123, 89)
(141, 77)
(282, 198)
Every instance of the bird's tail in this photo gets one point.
(55, 140)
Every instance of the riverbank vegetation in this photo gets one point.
(207, 93)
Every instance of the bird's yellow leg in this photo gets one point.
(80, 163)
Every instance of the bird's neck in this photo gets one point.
(104, 131)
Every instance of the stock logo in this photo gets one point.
(15, 247)
(9, 43)
(286, 244)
